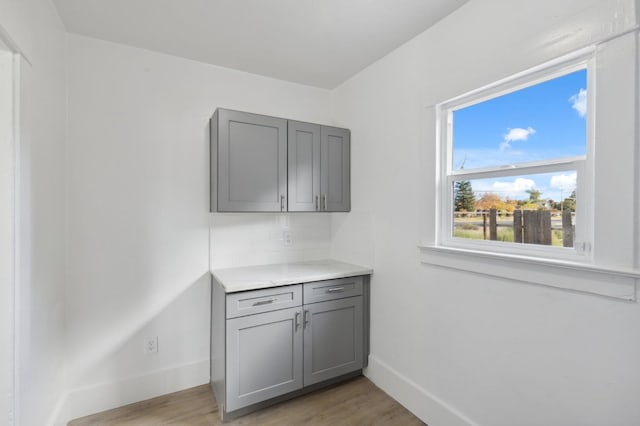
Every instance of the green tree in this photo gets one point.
(464, 198)
(534, 196)
(569, 203)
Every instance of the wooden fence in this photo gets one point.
(531, 227)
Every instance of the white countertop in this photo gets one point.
(264, 276)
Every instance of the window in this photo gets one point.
(516, 165)
(598, 160)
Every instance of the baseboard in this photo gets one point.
(94, 399)
(59, 411)
(427, 407)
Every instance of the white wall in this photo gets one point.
(443, 342)
(138, 248)
(35, 29)
(457, 347)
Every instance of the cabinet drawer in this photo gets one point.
(258, 301)
(320, 291)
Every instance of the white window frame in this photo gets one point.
(583, 165)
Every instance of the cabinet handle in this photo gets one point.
(297, 320)
(264, 302)
(281, 202)
(317, 203)
(325, 202)
(335, 290)
(306, 318)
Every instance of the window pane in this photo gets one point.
(532, 209)
(540, 122)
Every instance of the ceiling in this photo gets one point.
(314, 42)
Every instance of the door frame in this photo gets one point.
(10, 58)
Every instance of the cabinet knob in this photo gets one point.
(317, 203)
(281, 202)
(324, 197)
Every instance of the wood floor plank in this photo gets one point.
(353, 403)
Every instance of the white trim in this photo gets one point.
(544, 72)
(426, 406)
(577, 253)
(544, 166)
(11, 60)
(585, 184)
(583, 51)
(580, 253)
(636, 137)
(105, 396)
(583, 165)
(636, 236)
(616, 283)
(12, 44)
(59, 411)
(17, 221)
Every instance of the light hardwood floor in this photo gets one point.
(356, 402)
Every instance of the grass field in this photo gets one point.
(464, 228)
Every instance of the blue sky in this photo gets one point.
(540, 122)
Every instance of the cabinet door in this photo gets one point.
(333, 339)
(252, 162)
(335, 187)
(304, 166)
(264, 356)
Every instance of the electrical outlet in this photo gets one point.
(151, 345)
(286, 238)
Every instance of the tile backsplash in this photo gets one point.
(240, 239)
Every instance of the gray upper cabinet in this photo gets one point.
(335, 184)
(319, 168)
(267, 164)
(304, 167)
(248, 162)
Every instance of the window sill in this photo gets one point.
(615, 283)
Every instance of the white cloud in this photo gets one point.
(579, 102)
(564, 182)
(517, 134)
(514, 189)
(518, 186)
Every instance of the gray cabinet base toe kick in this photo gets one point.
(231, 415)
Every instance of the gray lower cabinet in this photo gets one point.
(278, 341)
(268, 164)
(332, 339)
(264, 357)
